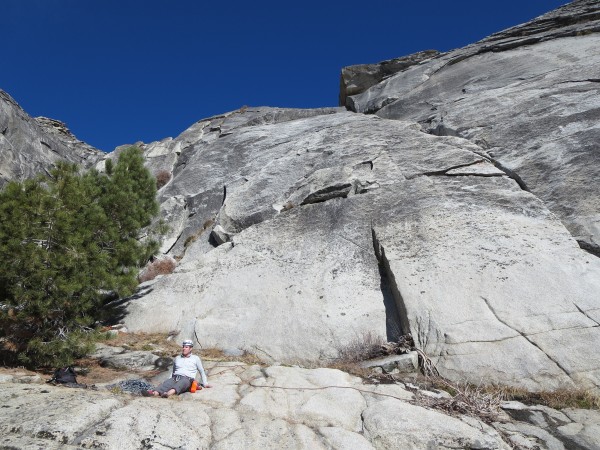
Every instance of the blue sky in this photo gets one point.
(121, 71)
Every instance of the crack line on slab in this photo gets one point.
(585, 313)
(485, 157)
(262, 255)
(443, 171)
(561, 329)
(322, 388)
(481, 341)
(510, 174)
(587, 80)
(352, 242)
(486, 301)
(88, 432)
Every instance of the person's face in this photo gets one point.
(186, 350)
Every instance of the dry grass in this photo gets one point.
(159, 343)
(164, 345)
(215, 354)
(558, 399)
(351, 368)
(481, 402)
(162, 178)
(162, 266)
(365, 346)
(484, 402)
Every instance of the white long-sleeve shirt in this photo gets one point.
(189, 366)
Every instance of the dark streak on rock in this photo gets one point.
(322, 195)
(590, 248)
(397, 323)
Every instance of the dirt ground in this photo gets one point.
(89, 371)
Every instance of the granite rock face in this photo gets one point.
(529, 96)
(31, 146)
(457, 213)
(275, 407)
(340, 224)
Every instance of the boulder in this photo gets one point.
(122, 359)
(406, 363)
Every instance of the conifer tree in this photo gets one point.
(65, 242)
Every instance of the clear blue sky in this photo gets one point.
(121, 71)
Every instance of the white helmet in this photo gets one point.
(187, 342)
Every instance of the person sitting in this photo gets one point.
(185, 368)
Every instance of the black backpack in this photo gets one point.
(64, 375)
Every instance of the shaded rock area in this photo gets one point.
(274, 407)
(339, 224)
(31, 146)
(529, 96)
(357, 79)
(120, 358)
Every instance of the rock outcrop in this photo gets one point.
(341, 224)
(31, 146)
(528, 96)
(272, 408)
(330, 224)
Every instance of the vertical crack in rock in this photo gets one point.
(196, 334)
(524, 336)
(397, 323)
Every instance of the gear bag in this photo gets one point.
(64, 375)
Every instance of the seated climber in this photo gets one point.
(185, 368)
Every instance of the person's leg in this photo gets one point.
(164, 387)
(168, 393)
(178, 387)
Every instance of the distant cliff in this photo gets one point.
(30, 146)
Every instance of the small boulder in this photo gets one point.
(219, 235)
(405, 363)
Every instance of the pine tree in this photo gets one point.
(65, 242)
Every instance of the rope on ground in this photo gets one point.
(328, 387)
